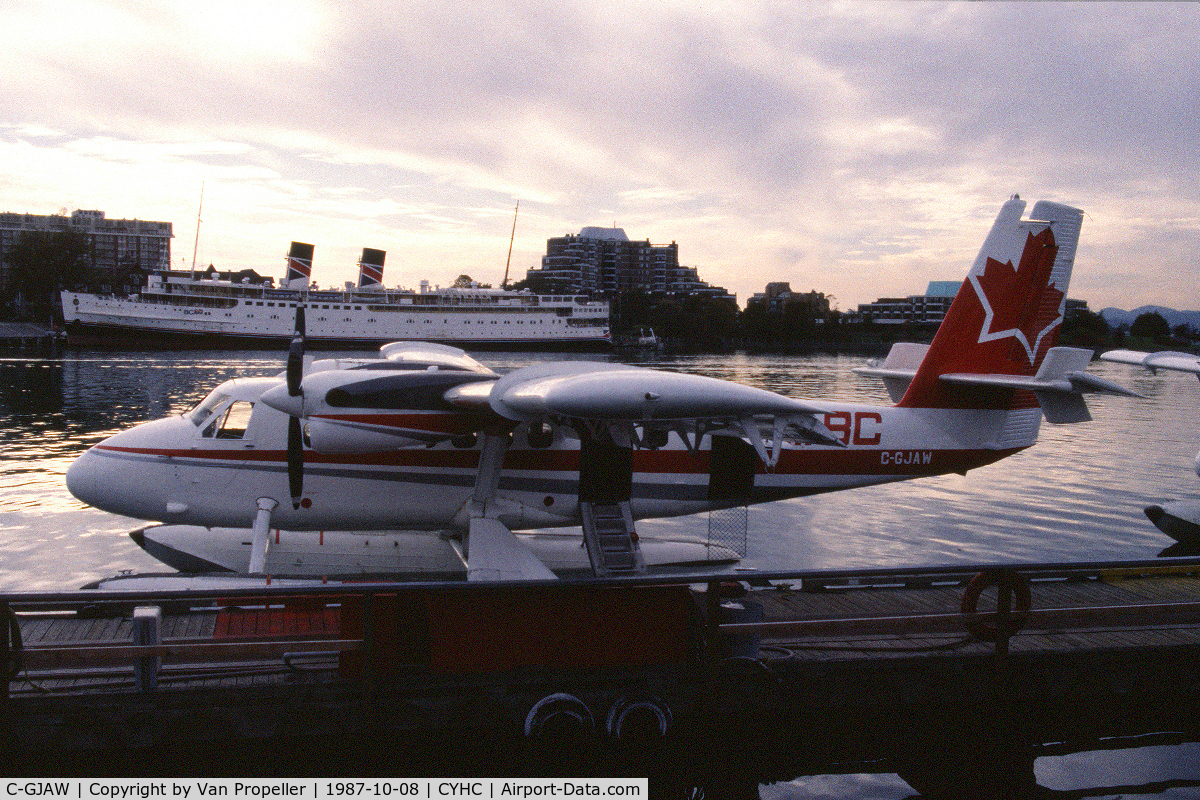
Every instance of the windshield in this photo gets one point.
(206, 407)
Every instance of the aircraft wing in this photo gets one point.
(1164, 359)
(616, 392)
(350, 409)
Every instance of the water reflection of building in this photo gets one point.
(605, 262)
(119, 250)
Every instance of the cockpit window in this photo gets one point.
(200, 414)
(235, 420)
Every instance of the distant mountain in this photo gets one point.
(1116, 316)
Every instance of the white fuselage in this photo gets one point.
(211, 466)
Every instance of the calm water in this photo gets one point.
(1076, 496)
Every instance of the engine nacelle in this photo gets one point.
(341, 437)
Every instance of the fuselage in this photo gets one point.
(211, 465)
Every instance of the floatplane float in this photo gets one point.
(1179, 519)
(425, 444)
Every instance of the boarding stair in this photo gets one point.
(611, 540)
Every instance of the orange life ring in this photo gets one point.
(1013, 603)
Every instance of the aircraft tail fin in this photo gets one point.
(1005, 318)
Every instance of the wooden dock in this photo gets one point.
(720, 683)
(25, 334)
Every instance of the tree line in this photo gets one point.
(38, 265)
(41, 263)
(708, 323)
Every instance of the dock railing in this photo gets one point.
(372, 633)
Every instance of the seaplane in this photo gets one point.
(426, 440)
(1179, 519)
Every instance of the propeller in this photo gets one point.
(295, 440)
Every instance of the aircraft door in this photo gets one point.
(205, 481)
(732, 465)
(605, 471)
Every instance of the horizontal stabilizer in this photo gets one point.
(495, 554)
(1058, 385)
(1164, 359)
(898, 369)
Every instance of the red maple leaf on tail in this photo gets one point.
(1021, 302)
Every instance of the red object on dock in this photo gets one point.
(491, 629)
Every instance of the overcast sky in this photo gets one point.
(860, 149)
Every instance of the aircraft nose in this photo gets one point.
(121, 474)
(81, 478)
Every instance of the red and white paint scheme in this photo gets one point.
(426, 438)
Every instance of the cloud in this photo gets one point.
(860, 149)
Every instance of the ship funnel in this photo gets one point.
(370, 268)
(299, 271)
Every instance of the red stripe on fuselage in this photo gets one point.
(802, 461)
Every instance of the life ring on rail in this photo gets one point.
(557, 715)
(1012, 604)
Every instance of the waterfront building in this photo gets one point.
(604, 262)
(778, 297)
(930, 307)
(120, 251)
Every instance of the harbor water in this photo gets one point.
(1077, 496)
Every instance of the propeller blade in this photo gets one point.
(295, 360)
(295, 461)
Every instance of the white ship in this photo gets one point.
(180, 308)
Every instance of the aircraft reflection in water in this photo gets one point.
(1179, 519)
(425, 438)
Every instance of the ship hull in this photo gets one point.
(83, 334)
(232, 317)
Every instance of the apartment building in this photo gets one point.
(119, 250)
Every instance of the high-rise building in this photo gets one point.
(605, 262)
(118, 249)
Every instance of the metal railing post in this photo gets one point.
(147, 631)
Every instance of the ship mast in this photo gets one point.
(511, 239)
(196, 244)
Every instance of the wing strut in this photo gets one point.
(493, 553)
(262, 536)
